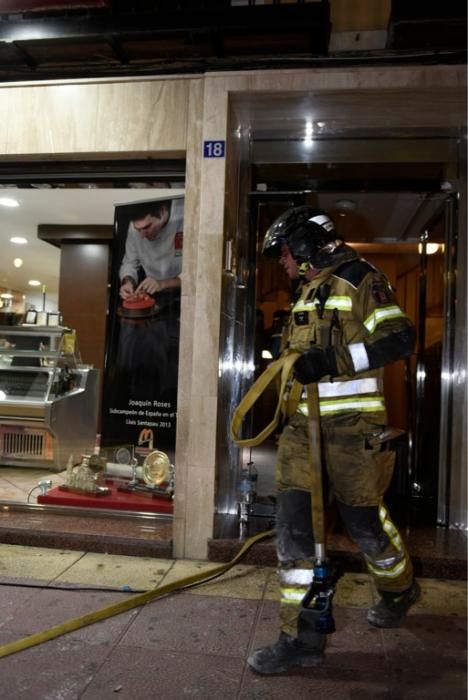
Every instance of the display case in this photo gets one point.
(48, 398)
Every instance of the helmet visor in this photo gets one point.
(276, 235)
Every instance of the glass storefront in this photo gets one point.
(88, 387)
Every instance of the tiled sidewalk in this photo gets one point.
(194, 644)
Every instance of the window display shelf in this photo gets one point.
(48, 397)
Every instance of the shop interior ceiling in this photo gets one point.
(375, 208)
(54, 39)
(89, 204)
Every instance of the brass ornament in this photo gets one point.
(156, 468)
(86, 477)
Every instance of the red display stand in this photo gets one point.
(115, 500)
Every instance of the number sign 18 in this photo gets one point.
(213, 149)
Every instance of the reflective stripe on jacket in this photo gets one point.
(348, 307)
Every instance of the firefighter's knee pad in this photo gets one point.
(365, 527)
(294, 534)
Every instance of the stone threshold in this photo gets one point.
(436, 552)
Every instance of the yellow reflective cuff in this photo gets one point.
(380, 315)
(295, 577)
(292, 595)
(394, 572)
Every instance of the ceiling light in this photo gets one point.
(345, 206)
(19, 240)
(446, 186)
(6, 295)
(309, 133)
(8, 202)
(34, 283)
(18, 262)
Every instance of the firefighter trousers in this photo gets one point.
(359, 473)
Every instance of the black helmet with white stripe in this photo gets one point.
(309, 234)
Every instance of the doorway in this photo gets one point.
(389, 194)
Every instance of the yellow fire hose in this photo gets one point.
(133, 602)
(282, 369)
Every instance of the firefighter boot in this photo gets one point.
(287, 652)
(392, 608)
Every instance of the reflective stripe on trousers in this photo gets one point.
(294, 584)
(393, 563)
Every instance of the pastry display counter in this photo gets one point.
(48, 398)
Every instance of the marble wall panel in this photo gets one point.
(143, 116)
(193, 519)
(202, 442)
(199, 511)
(50, 119)
(4, 112)
(185, 375)
(188, 326)
(207, 316)
(114, 117)
(191, 540)
(368, 78)
(192, 189)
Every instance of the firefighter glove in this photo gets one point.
(315, 363)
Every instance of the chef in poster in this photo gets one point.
(143, 339)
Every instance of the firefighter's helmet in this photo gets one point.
(309, 234)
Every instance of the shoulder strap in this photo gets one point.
(280, 368)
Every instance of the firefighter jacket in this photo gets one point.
(350, 306)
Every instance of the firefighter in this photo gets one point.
(347, 326)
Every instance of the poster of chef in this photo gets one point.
(142, 347)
